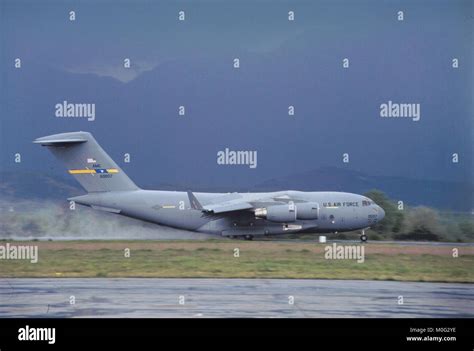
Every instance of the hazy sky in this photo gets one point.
(282, 63)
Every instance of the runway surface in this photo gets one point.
(150, 297)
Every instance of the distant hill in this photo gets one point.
(30, 185)
(456, 196)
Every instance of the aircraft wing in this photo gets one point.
(228, 206)
(230, 202)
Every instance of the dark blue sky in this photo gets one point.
(282, 63)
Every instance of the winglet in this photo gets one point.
(195, 204)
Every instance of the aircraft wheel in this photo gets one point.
(363, 238)
(248, 237)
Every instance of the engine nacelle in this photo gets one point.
(278, 213)
(307, 210)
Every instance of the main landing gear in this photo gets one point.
(240, 237)
(363, 237)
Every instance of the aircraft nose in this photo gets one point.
(381, 212)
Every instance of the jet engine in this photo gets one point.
(289, 213)
(277, 213)
(307, 210)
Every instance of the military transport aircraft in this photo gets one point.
(235, 215)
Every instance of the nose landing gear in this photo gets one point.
(363, 237)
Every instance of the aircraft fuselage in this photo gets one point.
(337, 211)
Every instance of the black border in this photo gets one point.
(352, 333)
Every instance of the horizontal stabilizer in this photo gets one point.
(60, 140)
(106, 209)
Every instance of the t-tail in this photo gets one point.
(87, 162)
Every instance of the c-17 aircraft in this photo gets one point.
(234, 215)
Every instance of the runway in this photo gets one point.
(231, 298)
